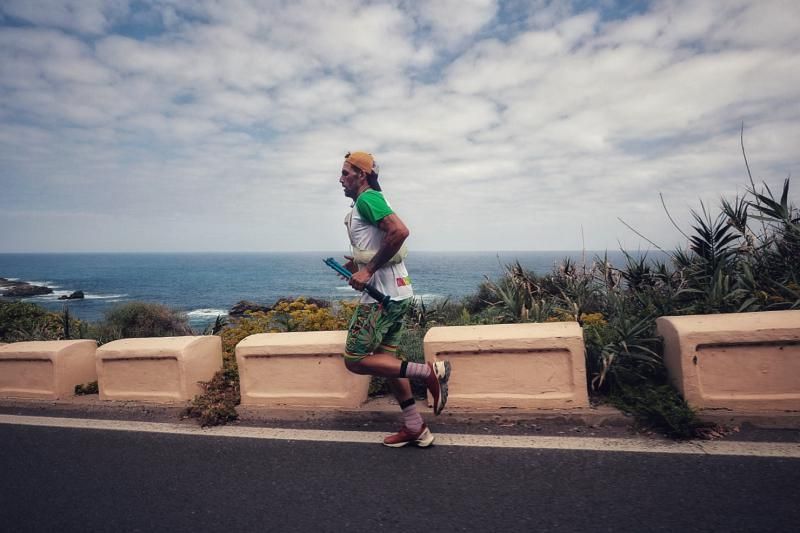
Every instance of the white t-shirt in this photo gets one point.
(362, 225)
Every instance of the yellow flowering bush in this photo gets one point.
(588, 319)
(288, 315)
(300, 315)
(560, 316)
(251, 324)
(593, 319)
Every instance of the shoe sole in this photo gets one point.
(443, 379)
(425, 440)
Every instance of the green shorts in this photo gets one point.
(374, 328)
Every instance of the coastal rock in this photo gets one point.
(309, 300)
(240, 308)
(21, 289)
(77, 295)
(27, 290)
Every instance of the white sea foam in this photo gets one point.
(56, 294)
(47, 297)
(48, 284)
(345, 288)
(12, 279)
(202, 313)
(115, 297)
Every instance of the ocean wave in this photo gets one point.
(198, 313)
(47, 297)
(345, 288)
(115, 297)
(48, 284)
(55, 295)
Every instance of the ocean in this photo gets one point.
(204, 285)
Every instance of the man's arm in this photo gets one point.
(395, 235)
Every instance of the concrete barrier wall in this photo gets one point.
(46, 369)
(742, 361)
(301, 368)
(512, 365)
(738, 361)
(157, 369)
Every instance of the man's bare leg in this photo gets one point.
(378, 364)
(435, 376)
(387, 366)
(401, 389)
(412, 420)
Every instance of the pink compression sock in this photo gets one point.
(415, 371)
(411, 417)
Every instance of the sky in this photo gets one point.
(221, 125)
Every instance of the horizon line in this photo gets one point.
(153, 252)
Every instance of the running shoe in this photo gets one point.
(422, 438)
(437, 384)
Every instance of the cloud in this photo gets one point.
(452, 21)
(82, 16)
(498, 125)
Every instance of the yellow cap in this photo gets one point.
(362, 160)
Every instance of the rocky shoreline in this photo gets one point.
(21, 289)
(245, 306)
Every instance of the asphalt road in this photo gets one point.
(57, 479)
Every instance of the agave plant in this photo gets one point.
(719, 295)
(768, 262)
(772, 210)
(417, 314)
(705, 278)
(712, 241)
(737, 215)
(638, 274)
(781, 242)
(608, 276)
(521, 297)
(626, 349)
(514, 300)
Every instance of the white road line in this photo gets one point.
(752, 449)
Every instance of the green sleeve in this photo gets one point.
(372, 207)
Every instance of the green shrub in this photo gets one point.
(23, 321)
(481, 299)
(221, 395)
(89, 388)
(141, 319)
(659, 407)
(437, 313)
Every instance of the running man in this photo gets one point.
(377, 235)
